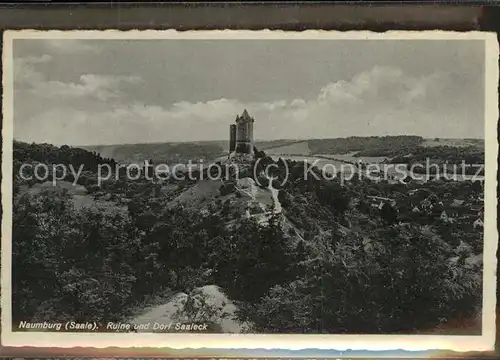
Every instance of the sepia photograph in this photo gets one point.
(169, 188)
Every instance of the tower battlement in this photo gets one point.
(242, 133)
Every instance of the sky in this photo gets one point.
(96, 92)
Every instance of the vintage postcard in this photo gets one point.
(249, 189)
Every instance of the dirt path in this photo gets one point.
(168, 312)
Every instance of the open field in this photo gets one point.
(78, 193)
(454, 142)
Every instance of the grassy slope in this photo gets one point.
(78, 193)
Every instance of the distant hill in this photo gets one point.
(182, 152)
(162, 152)
(296, 148)
(479, 143)
(178, 152)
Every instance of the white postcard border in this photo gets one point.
(253, 341)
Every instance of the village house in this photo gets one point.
(478, 223)
(464, 215)
(456, 203)
(379, 201)
(445, 218)
(477, 208)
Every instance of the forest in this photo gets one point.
(328, 264)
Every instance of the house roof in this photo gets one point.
(462, 211)
(457, 203)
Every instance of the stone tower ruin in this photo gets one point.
(232, 138)
(241, 138)
(244, 134)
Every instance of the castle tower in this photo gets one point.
(232, 138)
(244, 134)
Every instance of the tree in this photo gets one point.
(334, 294)
(389, 213)
(84, 258)
(334, 196)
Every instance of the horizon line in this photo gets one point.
(255, 141)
